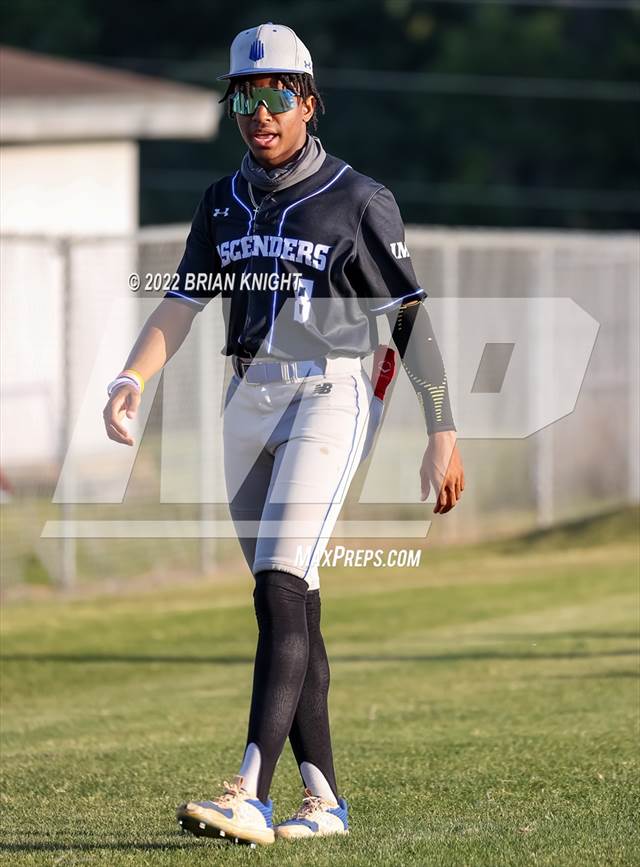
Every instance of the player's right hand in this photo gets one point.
(122, 404)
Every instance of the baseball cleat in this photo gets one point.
(315, 818)
(235, 816)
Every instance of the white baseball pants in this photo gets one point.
(291, 451)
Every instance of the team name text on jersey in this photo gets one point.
(290, 249)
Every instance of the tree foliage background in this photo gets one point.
(494, 113)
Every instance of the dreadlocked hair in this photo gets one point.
(300, 82)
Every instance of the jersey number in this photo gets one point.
(303, 300)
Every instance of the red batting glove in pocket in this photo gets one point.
(384, 369)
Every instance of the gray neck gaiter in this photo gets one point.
(305, 164)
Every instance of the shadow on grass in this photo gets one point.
(604, 675)
(616, 525)
(470, 656)
(565, 636)
(134, 845)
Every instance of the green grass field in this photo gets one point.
(485, 712)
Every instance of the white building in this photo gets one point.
(69, 167)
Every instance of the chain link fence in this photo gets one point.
(69, 320)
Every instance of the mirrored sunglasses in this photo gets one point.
(274, 100)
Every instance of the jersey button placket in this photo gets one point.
(251, 231)
(257, 208)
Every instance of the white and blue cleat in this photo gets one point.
(315, 818)
(236, 816)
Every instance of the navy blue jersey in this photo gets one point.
(303, 271)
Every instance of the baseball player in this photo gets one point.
(306, 253)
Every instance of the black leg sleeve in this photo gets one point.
(280, 666)
(309, 736)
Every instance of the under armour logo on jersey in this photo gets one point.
(399, 250)
(323, 388)
(256, 52)
(221, 212)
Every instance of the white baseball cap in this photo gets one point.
(268, 48)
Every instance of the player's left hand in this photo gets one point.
(442, 468)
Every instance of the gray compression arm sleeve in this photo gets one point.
(413, 336)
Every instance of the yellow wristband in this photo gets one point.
(137, 376)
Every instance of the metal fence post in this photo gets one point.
(542, 380)
(633, 439)
(451, 336)
(67, 575)
(207, 423)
